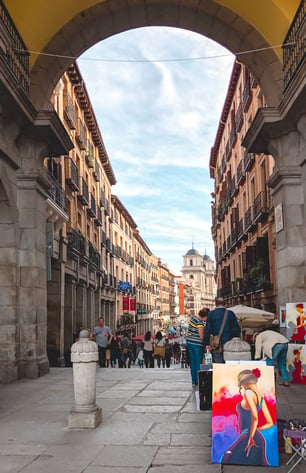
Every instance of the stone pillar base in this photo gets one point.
(85, 420)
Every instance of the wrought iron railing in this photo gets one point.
(294, 47)
(57, 193)
(13, 51)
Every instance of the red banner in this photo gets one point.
(125, 303)
(133, 304)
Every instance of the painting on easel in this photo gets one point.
(244, 428)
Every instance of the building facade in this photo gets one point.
(199, 276)
(243, 227)
(80, 284)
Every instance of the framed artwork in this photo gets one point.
(296, 363)
(282, 316)
(296, 321)
(244, 396)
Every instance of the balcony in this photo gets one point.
(93, 255)
(260, 207)
(92, 209)
(102, 198)
(89, 155)
(228, 150)
(240, 174)
(117, 251)
(108, 245)
(249, 160)
(234, 189)
(69, 111)
(83, 194)
(240, 229)
(234, 237)
(14, 53)
(249, 224)
(229, 242)
(96, 171)
(233, 137)
(294, 54)
(80, 135)
(246, 96)
(98, 220)
(103, 239)
(76, 244)
(72, 174)
(57, 193)
(239, 117)
(106, 207)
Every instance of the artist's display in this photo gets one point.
(244, 429)
(296, 363)
(296, 321)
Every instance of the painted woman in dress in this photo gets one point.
(250, 447)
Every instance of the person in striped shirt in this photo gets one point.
(194, 339)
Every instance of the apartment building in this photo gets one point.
(80, 286)
(123, 239)
(143, 256)
(242, 210)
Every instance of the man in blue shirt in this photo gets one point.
(214, 321)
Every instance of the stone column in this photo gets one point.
(85, 414)
(288, 182)
(9, 237)
(32, 310)
(55, 308)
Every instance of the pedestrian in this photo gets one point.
(114, 352)
(159, 349)
(214, 321)
(168, 352)
(274, 346)
(102, 335)
(176, 352)
(148, 350)
(140, 357)
(127, 353)
(194, 339)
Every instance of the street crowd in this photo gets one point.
(122, 351)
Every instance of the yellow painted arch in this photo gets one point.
(39, 20)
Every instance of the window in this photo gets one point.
(191, 263)
(191, 276)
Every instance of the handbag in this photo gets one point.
(215, 340)
(159, 350)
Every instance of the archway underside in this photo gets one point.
(70, 28)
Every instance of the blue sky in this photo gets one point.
(158, 120)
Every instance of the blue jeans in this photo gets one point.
(196, 357)
(279, 357)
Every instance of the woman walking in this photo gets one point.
(148, 350)
(194, 339)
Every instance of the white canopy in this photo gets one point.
(251, 317)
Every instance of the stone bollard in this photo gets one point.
(85, 414)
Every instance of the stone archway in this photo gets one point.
(105, 19)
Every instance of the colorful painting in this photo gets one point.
(244, 428)
(296, 363)
(296, 321)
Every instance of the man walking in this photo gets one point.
(275, 347)
(213, 324)
(103, 337)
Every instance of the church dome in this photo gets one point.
(207, 258)
(192, 252)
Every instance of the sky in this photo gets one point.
(157, 94)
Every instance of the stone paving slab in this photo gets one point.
(186, 469)
(182, 456)
(157, 401)
(169, 393)
(180, 428)
(138, 456)
(157, 409)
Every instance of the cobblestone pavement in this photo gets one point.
(151, 424)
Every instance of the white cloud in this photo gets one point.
(158, 121)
